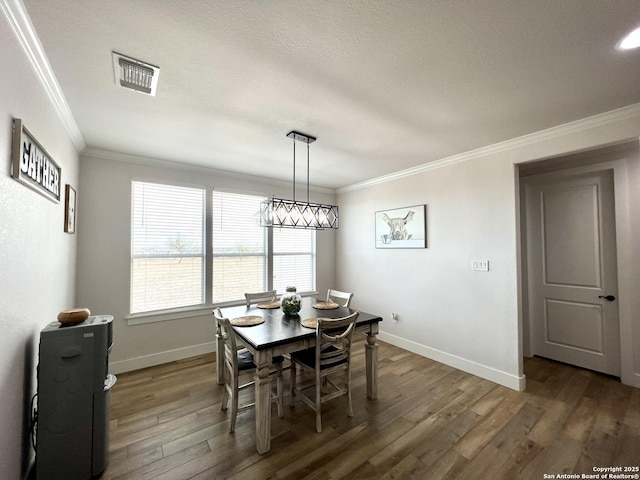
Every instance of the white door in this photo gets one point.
(571, 258)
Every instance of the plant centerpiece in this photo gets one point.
(291, 302)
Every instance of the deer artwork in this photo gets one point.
(397, 226)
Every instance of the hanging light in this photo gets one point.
(278, 212)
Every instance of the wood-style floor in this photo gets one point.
(430, 421)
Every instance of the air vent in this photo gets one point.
(134, 74)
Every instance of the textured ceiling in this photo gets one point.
(384, 85)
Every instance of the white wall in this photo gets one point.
(472, 320)
(104, 248)
(37, 259)
(445, 310)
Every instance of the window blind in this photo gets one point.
(241, 251)
(167, 246)
(239, 246)
(294, 259)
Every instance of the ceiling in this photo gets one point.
(383, 85)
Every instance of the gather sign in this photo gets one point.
(32, 165)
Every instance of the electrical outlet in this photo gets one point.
(394, 317)
(480, 265)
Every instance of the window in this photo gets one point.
(169, 259)
(294, 259)
(251, 258)
(167, 247)
(239, 246)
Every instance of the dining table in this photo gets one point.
(266, 331)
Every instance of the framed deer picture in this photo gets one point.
(402, 227)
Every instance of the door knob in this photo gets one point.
(609, 298)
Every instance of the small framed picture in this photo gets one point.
(70, 209)
(402, 227)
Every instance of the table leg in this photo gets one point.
(263, 402)
(371, 353)
(219, 356)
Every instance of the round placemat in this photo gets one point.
(309, 322)
(268, 305)
(247, 321)
(325, 305)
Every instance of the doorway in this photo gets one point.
(563, 188)
(571, 263)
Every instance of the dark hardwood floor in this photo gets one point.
(430, 421)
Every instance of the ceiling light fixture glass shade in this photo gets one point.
(279, 212)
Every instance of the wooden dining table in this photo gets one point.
(280, 334)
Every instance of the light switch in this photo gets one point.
(480, 265)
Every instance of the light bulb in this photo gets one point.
(630, 41)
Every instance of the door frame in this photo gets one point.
(614, 159)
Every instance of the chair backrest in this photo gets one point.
(258, 297)
(229, 339)
(344, 297)
(333, 341)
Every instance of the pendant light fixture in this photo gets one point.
(278, 212)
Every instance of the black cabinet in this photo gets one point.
(72, 438)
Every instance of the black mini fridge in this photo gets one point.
(72, 437)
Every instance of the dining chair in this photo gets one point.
(258, 297)
(238, 361)
(328, 360)
(344, 297)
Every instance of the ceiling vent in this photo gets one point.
(134, 74)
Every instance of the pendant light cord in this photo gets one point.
(307, 171)
(294, 170)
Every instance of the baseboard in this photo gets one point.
(145, 361)
(497, 376)
(632, 380)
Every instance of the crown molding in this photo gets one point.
(582, 125)
(101, 154)
(20, 23)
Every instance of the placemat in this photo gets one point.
(247, 321)
(309, 322)
(325, 305)
(268, 305)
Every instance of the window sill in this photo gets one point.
(165, 315)
(186, 312)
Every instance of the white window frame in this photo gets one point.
(199, 310)
(133, 255)
(269, 252)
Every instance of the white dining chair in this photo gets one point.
(259, 297)
(237, 362)
(343, 298)
(329, 360)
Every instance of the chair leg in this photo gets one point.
(349, 405)
(318, 406)
(279, 388)
(325, 384)
(292, 384)
(234, 403)
(225, 393)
